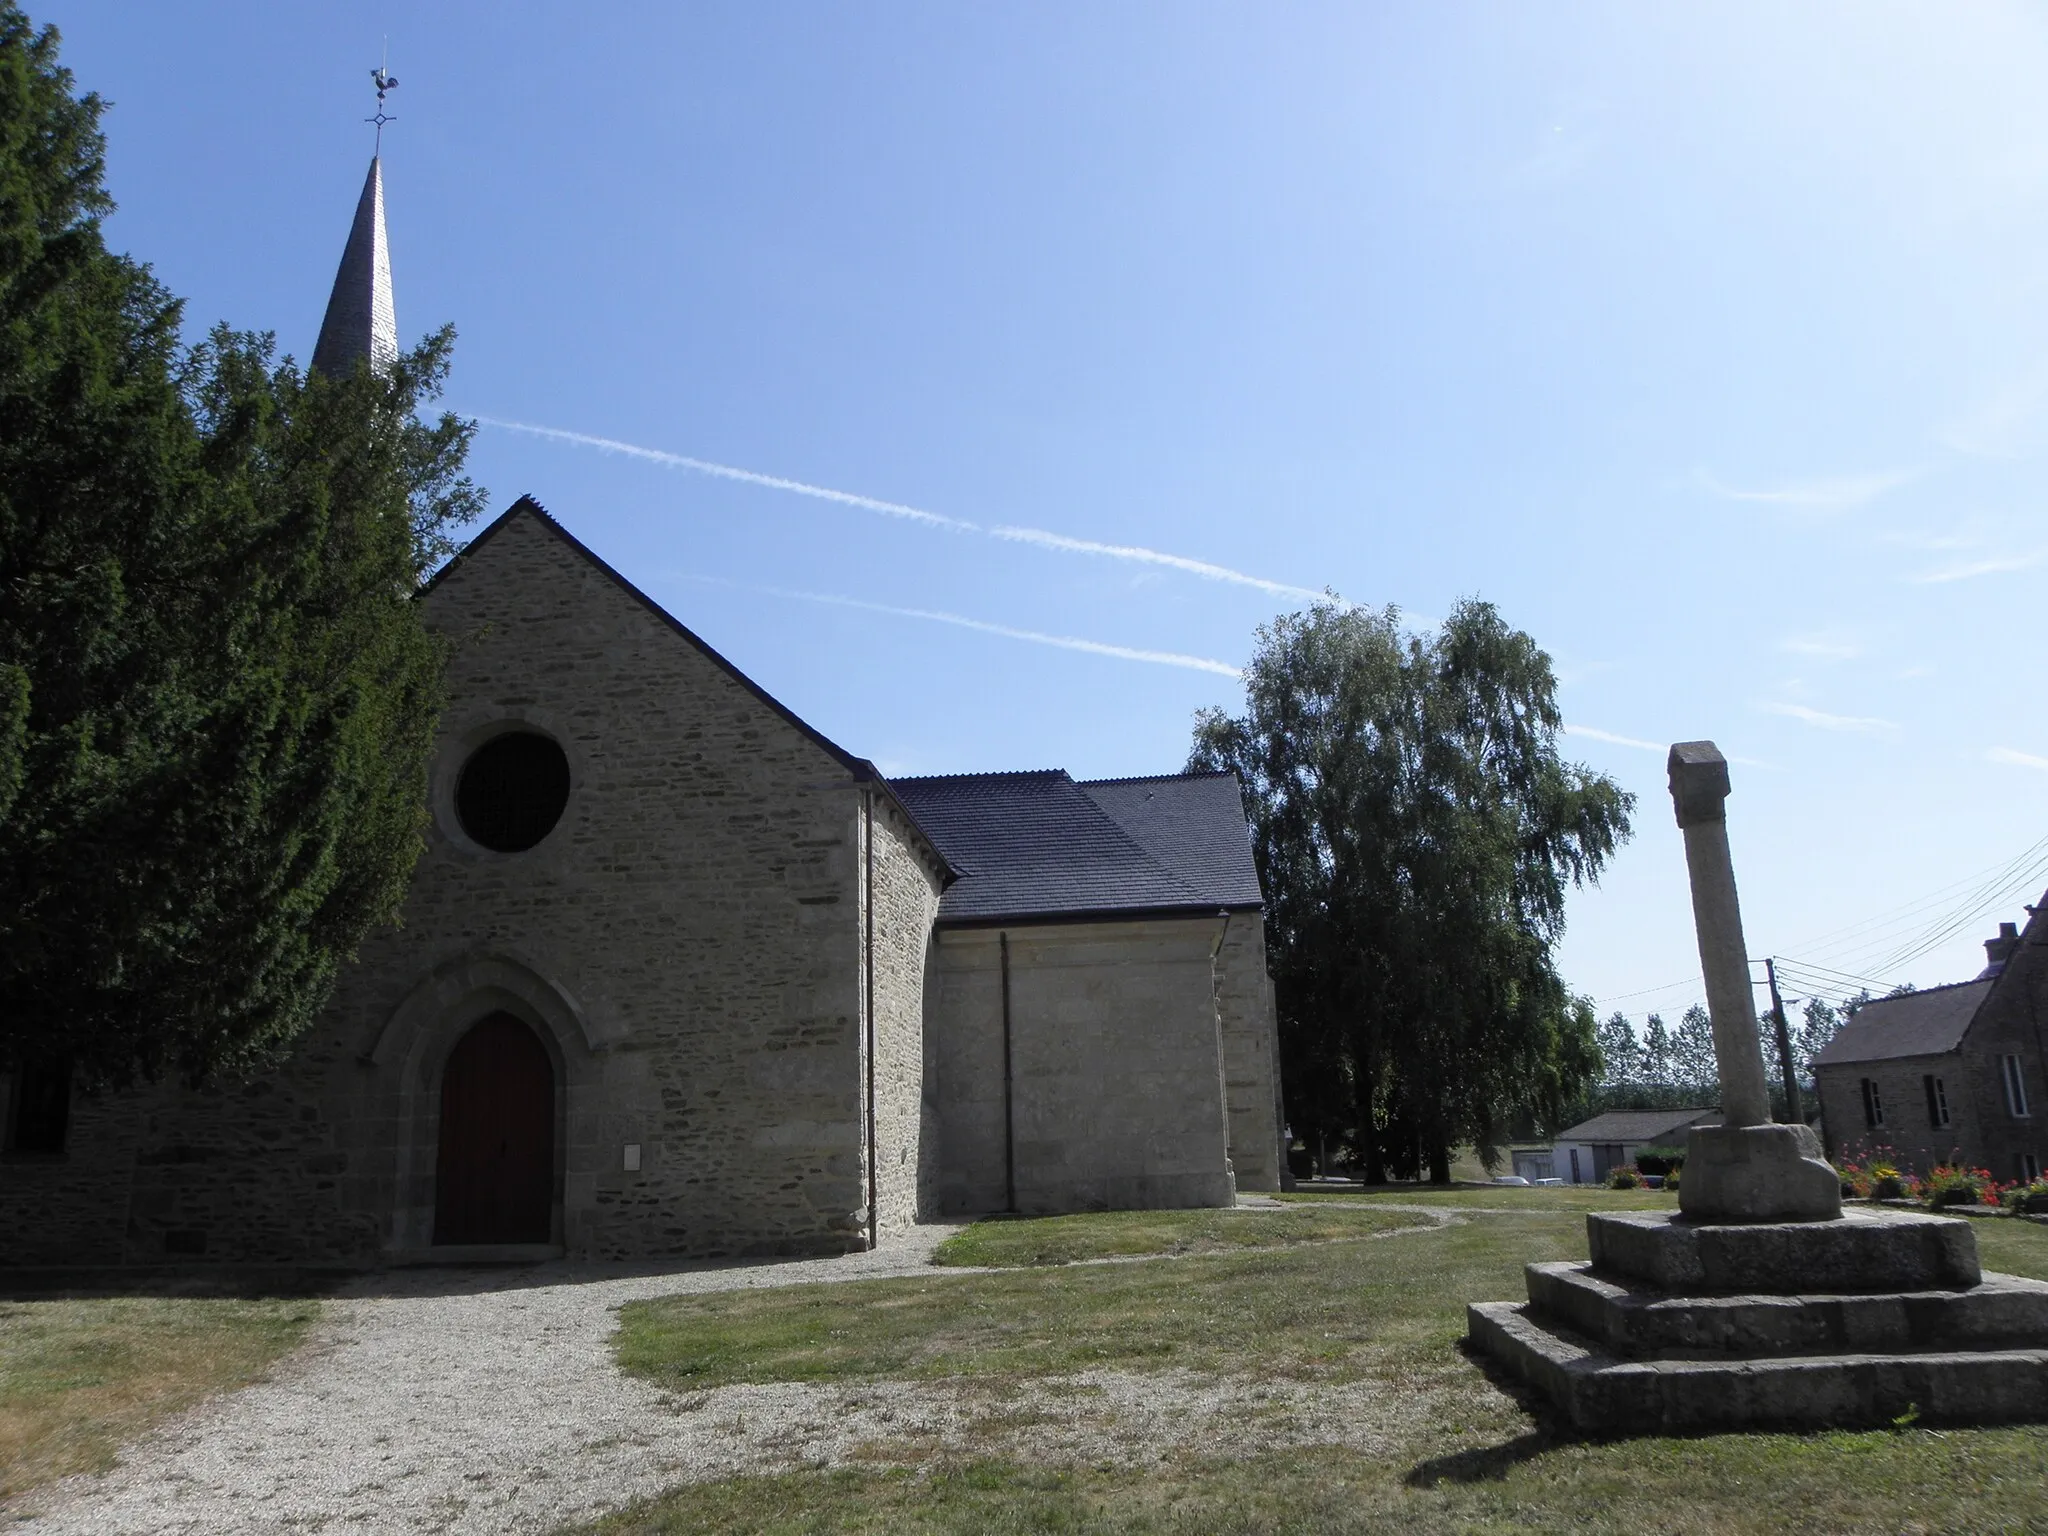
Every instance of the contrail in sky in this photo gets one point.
(727, 472)
(1063, 642)
(1039, 536)
(1201, 568)
(1594, 733)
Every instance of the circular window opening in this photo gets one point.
(512, 791)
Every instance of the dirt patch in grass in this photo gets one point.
(79, 1376)
(1008, 1243)
(1318, 1388)
(1301, 1312)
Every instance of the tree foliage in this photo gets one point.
(1694, 1066)
(216, 697)
(1820, 1022)
(1621, 1055)
(1416, 832)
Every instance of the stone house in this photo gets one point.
(1949, 1074)
(678, 975)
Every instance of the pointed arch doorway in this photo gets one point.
(495, 1174)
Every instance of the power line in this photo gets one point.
(1827, 974)
(1669, 986)
(1987, 898)
(1985, 889)
(1836, 938)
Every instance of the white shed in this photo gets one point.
(1588, 1152)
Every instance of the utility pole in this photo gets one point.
(1795, 1111)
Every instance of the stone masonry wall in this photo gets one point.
(1251, 1053)
(906, 899)
(686, 941)
(2013, 1021)
(73, 1208)
(1116, 1063)
(1908, 1134)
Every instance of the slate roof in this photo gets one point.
(1639, 1127)
(1194, 824)
(360, 320)
(1039, 845)
(1925, 1023)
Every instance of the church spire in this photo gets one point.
(361, 322)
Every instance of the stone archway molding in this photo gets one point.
(481, 974)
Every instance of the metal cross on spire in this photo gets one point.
(384, 81)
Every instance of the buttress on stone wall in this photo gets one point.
(1138, 1066)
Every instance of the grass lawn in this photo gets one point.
(79, 1377)
(1007, 1243)
(1990, 1480)
(1465, 1456)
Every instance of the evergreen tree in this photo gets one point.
(1416, 833)
(1693, 1065)
(1620, 1055)
(1658, 1066)
(216, 697)
(1820, 1024)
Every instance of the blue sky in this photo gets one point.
(1712, 346)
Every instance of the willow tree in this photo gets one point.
(216, 697)
(1417, 832)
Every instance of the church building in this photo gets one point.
(677, 975)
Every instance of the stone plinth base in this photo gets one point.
(1757, 1173)
(1623, 1317)
(1601, 1393)
(1679, 1325)
(1860, 1250)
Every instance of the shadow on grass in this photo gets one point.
(446, 1278)
(1482, 1464)
(1491, 1463)
(218, 1282)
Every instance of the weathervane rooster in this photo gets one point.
(384, 80)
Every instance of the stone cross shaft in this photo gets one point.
(1699, 790)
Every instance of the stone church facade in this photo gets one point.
(676, 975)
(679, 976)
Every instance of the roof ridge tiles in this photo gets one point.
(1156, 778)
(1049, 774)
(1940, 986)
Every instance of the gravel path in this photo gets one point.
(487, 1401)
(450, 1400)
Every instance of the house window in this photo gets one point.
(1873, 1104)
(1937, 1101)
(2029, 1167)
(2015, 1086)
(1575, 1166)
(39, 1107)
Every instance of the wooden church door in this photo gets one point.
(495, 1180)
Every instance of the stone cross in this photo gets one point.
(1699, 791)
(1746, 1169)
